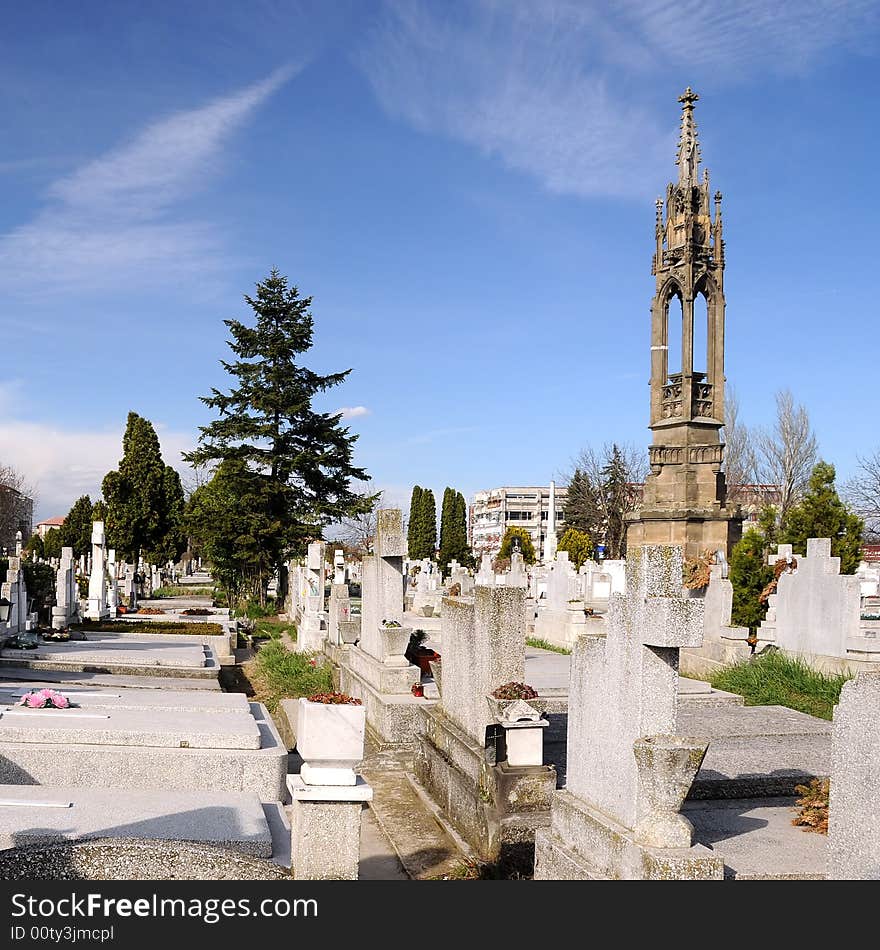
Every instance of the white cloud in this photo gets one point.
(353, 412)
(113, 222)
(556, 88)
(61, 464)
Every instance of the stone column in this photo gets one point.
(550, 537)
(97, 608)
(325, 829)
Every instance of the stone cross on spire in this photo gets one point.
(688, 148)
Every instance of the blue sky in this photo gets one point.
(466, 190)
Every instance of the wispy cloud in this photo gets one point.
(555, 88)
(353, 412)
(116, 219)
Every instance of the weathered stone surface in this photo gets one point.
(483, 648)
(624, 685)
(228, 820)
(325, 837)
(854, 809)
(260, 770)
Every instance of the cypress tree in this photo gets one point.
(413, 529)
(134, 493)
(453, 530)
(429, 524)
(76, 532)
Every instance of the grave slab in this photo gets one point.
(156, 727)
(32, 815)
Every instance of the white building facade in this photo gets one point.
(495, 510)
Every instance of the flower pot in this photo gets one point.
(330, 739)
(428, 610)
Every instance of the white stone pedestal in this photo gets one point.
(325, 829)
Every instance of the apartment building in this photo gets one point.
(496, 509)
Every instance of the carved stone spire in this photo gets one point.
(688, 147)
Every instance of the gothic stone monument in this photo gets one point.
(684, 500)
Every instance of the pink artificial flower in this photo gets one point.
(35, 700)
(60, 701)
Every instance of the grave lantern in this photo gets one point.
(4, 609)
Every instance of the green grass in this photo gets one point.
(778, 680)
(546, 645)
(276, 673)
(273, 629)
(162, 592)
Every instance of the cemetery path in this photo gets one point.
(425, 848)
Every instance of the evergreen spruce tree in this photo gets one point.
(413, 529)
(615, 489)
(821, 514)
(52, 543)
(303, 458)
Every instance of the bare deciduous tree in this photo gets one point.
(604, 486)
(862, 494)
(16, 504)
(359, 532)
(788, 452)
(740, 460)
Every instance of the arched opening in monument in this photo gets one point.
(674, 319)
(701, 334)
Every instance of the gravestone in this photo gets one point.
(818, 610)
(97, 606)
(611, 820)
(15, 592)
(494, 805)
(66, 608)
(112, 583)
(338, 567)
(312, 627)
(376, 669)
(854, 807)
(486, 573)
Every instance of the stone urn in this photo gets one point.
(428, 610)
(330, 739)
(395, 640)
(667, 766)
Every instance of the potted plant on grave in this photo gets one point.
(519, 715)
(330, 728)
(505, 696)
(418, 654)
